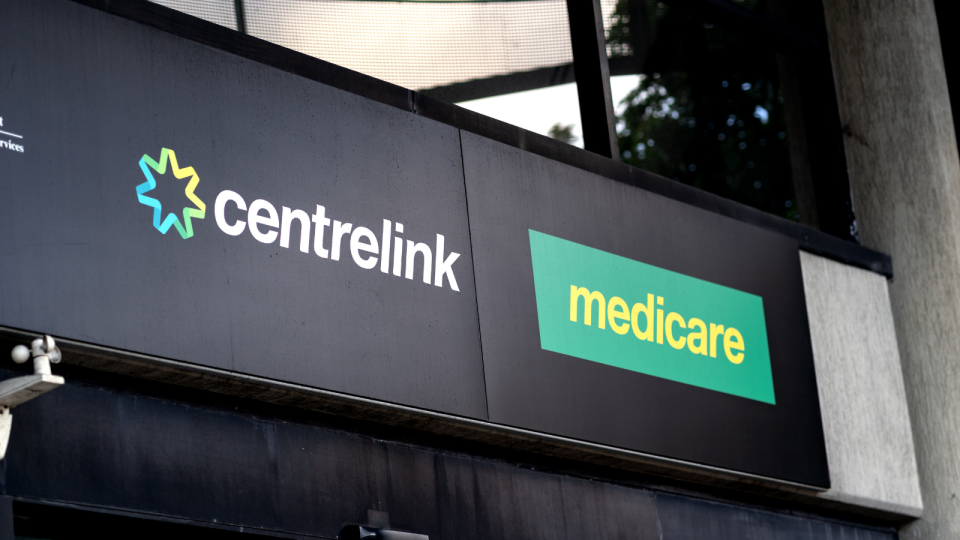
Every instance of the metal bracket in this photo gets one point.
(360, 532)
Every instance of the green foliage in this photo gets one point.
(562, 133)
(711, 116)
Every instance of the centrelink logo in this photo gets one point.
(262, 221)
(185, 228)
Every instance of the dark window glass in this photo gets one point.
(709, 109)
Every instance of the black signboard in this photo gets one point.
(172, 199)
(91, 95)
(512, 192)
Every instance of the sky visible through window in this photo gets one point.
(539, 110)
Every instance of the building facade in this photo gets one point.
(296, 300)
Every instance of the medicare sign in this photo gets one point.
(609, 309)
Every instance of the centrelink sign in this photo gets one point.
(263, 220)
(276, 228)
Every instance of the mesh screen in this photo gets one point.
(414, 44)
(419, 44)
(216, 11)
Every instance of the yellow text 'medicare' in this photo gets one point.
(655, 326)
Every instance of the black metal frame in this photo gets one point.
(589, 47)
(241, 16)
(522, 80)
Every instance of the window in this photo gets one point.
(734, 97)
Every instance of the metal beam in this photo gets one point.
(593, 77)
(521, 81)
(241, 16)
(502, 84)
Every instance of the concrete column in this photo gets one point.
(905, 176)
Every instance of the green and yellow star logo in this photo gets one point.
(163, 225)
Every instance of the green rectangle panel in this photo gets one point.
(609, 309)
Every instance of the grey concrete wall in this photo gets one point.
(905, 176)
(862, 399)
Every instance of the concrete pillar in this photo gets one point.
(905, 176)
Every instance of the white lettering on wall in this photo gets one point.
(366, 249)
